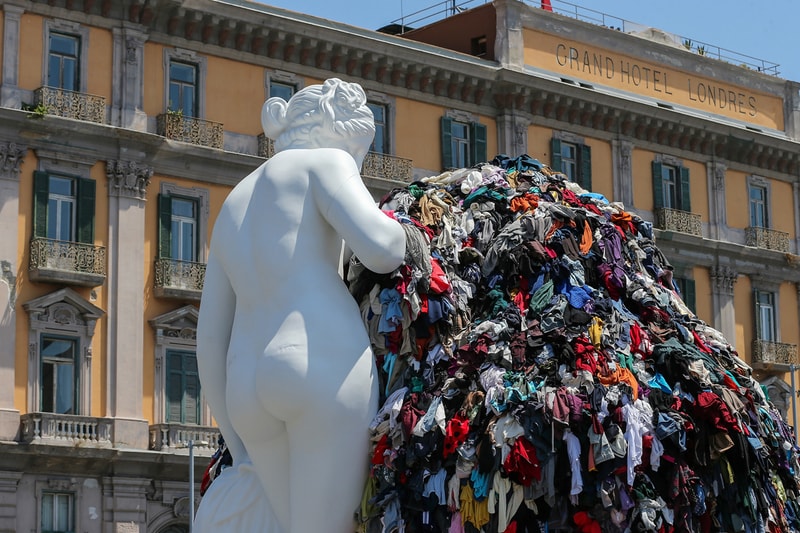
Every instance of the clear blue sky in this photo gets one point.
(767, 30)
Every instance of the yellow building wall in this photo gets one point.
(699, 187)
(28, 290)
(745, 323)
(539, 143)
(602, 169)
(101, 59)
(787, 298)
(30, 48)
(234, 95)
(153, 306)
(782, 209)
(642, 172)
(153, 79)
(736, 200)
(702, 293)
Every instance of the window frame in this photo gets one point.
(172, 106)
(683, 194)
(201, 197)
(74, 29)
(476, 138)
(282, 78)
(390, 109)
(758, 182)
(181, 55)
(773, 303)
(73, 517)
(583, 157)
(75, 372)
(84, 216)
(62, 57)
(63, 313)
(183, 353)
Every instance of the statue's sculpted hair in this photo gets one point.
(335, 109)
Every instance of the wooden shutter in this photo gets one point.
(41, 191)
(689, 297)
(85, 211)
(191, 391)
(447, 143)
(585, 166)
(174, 390)
(686, 193)
(478, 140)
(555, 154)
(658, 188)
(164, 225)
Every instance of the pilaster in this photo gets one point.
(796, 204)
(11, 156)
(509, 47)
(723, 279)
(512, 133)
(127, 188)
(125, 504)
(10, 94)
(715, 177)
(8, 501)
(127, 90)
(792, 110)
(621, 153)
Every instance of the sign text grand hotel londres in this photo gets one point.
(596, 65)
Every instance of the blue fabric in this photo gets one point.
(391, 315)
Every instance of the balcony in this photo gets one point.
(175, 437)
(266, 146)
(71, 104)
(179, 279)
(192, 130)
(768, 239)
(73, 263)
(680, 221)
(387, 167)
(66, 430)
(769, 355)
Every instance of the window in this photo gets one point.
(182, 217)
(671, 186)
(478, 46)
(765, 316)
(759, 217)
(570, 155)
(183, 388)
(281, 90)
(59, 378)
(686, 290)
(63, 61)
(183, 88)
(58, 512)
(381, 142)
(63, 208)
(463, 141)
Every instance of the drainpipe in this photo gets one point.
(191, 477)
(792, 369)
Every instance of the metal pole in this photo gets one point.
(792, 369)
(191, 483)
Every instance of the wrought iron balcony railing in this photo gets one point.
(266, 146)
(179, 279)
(388, 167)
(676, 220)
(176, 437)
(766, 238)
(66, 430)
(192, 130)
(776, 355)
(71, 104)
(73, 263)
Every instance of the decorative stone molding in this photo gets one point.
(723, 278)
(11, 157)
(128, 179)
(719, 170)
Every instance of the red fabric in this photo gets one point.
(522, 464)
(457, 431)
(439, 282)
(380, 448)
(710, 408)
(700, 344)
(546, 5)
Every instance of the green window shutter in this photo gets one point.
(686, 193)
(478, 148)
(555, 154)
(191, 392)
(447, 143)
(41, 191)
(689, 296)
(164, 225)
(585, 164)
(85, 211)
(757, 314)
(658, 188)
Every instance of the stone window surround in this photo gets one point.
(391, 113)
(280, 76)
(56, 485)
(462, 116)
(568, 137)
(201, 196)
(201, 62)
(168, 338)
(57, 314)
(70, 28)
(758, 181)
(777, 387)
(61, 163)
(667, 159)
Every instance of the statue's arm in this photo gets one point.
(217, 308)
(377, 240)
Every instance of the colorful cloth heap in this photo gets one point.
(539, 371)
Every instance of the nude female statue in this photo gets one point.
(284, 359)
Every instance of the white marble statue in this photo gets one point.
(284, 359)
